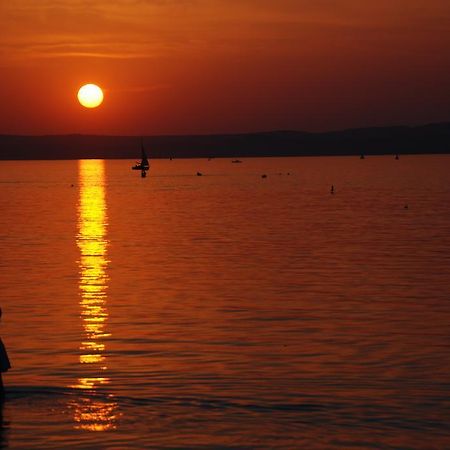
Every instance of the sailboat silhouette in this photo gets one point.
(142, 165)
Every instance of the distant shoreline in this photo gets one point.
(424, 139)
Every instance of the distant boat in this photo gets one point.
(236, 161)
(143, 164)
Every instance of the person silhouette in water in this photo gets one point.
(4, 363)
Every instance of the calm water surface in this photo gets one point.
(228, 310)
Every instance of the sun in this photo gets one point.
(90, 96)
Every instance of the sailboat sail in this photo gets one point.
(143, 164)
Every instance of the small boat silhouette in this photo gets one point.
(143, 164)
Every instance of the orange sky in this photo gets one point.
(211, 66)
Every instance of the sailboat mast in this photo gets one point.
(144, 161)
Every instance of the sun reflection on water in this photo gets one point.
(91, 413)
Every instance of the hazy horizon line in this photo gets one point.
(239, 133)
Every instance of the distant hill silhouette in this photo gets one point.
(425, 139)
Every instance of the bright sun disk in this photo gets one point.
(90, 95)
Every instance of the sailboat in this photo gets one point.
(143, 165)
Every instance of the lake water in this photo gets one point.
(227, 310)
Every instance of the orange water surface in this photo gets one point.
(227, 310)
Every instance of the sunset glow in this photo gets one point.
(215, 66)
(224, 224)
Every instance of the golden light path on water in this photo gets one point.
(91, 413)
